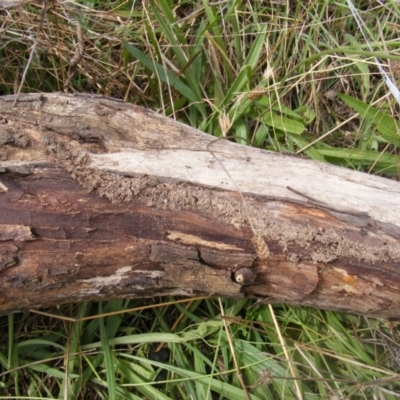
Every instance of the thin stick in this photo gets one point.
(176, 323)
(79, 51)
(337, 127)
(233, 181)
(62, 317)
(31, 53)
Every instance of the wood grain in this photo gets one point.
(100, 199)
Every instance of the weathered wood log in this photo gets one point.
(100, 199)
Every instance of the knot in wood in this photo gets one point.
(244, 276)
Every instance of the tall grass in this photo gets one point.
(282, 76)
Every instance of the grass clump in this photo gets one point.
(216, 349)
(284, 76)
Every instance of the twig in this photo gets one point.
(79, 51)
(31, 53)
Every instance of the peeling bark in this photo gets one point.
(100, 199)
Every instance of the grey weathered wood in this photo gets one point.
(102, 199)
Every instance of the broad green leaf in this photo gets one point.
(257, 47)
(165, 75)
(241, 132)
(364, 76)
(130, 373)
(246, 73)
(265, 103)
(385, 124)
(284, 124)
(200, 332)
(311, 152)
(238, 85)
(361, 155)
(306, 113)
(39, 343)
(224, 389)
(383, 163)
(52, 371)
(260, 135)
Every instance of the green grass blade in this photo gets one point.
(224, 389)
(165, 75)
(282, 123)
(385, 124)
(245, 75)
(108, 358)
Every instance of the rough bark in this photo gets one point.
(100, 199)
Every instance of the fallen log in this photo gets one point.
(100, 199)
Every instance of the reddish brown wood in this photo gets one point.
(61, 243)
